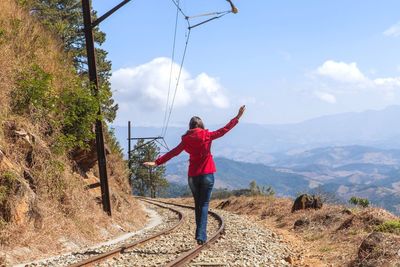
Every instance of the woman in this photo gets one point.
(197, 142)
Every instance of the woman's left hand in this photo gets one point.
(241, 111)
(150, 164)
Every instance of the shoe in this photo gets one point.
(200, 242)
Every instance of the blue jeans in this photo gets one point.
(201, 187)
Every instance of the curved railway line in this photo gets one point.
(184, 255)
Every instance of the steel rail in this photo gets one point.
(93, 260)
(177, 262)
(193, 253)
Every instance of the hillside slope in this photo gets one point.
(45, 120)
(234, 174)
(332, 236)
(258, 143)
(343, 171)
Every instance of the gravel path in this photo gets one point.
(244, 244)
(165, 248)
(161, 219)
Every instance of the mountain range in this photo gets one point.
(257, 143)
(341, 172)
(349, 154)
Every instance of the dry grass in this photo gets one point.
(23, 42)
(317, 241)
(61, 210)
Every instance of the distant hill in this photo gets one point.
(233, 174)
(349, 154)
(345, 171)
(259, 143)
(350, 171)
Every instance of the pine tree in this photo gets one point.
(64, 18)
(147, 181)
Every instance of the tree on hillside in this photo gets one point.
(263, 190)
(147, 181)
(64, 18)
(363, 202)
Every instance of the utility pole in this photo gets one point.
(93, 78)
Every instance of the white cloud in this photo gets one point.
(393, 31)
(147, 86)
(327, 97)
(346, 78)
(207, 91)
(388, 82)
(341, 71)
(350, 74)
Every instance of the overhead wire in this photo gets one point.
(177, 4)
(208, 20)
(177, 80)
(171, 69)
(216, 15)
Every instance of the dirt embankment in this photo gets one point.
(45, 206)
(334, 235)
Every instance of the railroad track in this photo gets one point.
(133, 254)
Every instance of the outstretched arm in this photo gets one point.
(220, 132)
(174, 152)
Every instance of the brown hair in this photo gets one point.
(196, 122)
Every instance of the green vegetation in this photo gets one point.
(8, 186)
(176, 190)
(144, 180)
(79, 109)
(363, 202)
(68, 107)
(64, 18)
(73, 110)
(113, 143)
(389, 227)
(253, 190)
(47, 134)
(8, 183)
(237, 174)
(32, 95)
(256, 190)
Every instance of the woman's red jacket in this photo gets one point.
(197, 142)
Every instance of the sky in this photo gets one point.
(287, 61)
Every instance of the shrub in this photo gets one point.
(263, 190)
(32, 92)
(113, 143)
(363, 202)
(7, 184)
(79, 109)
(389, 227)
(74, 110)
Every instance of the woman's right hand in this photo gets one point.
(150, 164)
(241, 111)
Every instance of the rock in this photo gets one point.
(378, 249)
(223, 204)
(347, 211)
(301, 223)
(346, 224)
(369, 244)
(289, 260)
(86, 158)
(306, 201)
(19, 201)
(29, 138)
